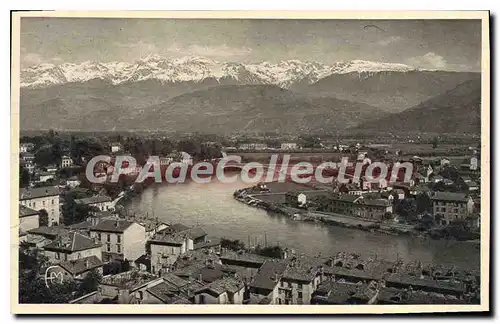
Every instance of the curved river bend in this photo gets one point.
(212, 206)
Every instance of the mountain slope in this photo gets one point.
(455, 111)
(255, 108)
(392, 91)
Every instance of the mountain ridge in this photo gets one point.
(196, 69)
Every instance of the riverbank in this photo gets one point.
(273, 202)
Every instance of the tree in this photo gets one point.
(270, 251)
(74, 213)
(32, 286)
(235, 245)
(24, 177)
(424, 203)
(434, 142)
(43, 218)
(90, 282)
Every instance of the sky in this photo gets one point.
(431, 44)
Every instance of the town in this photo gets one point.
(80, 244)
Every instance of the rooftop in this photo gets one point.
(72, 242)
(76, 267)
(167, 295)
(93, 200)
(130, 280)
(269, 274)
(113, 226)
(449, 196)
(33, 193)
(49, 231)
(227, 284)
(26, 211)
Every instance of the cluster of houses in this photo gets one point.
(450, 199)
(39, 175)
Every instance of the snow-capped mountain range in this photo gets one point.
(198, 69)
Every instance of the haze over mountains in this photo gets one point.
(198, 94)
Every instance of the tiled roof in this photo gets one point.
(72, 242)
(449, 196)
(113, 226)
(32, 193)
(93, 200)
(167, 295)
(220, 286)
(129, 280)
(26, 211)
(75, 267)
(232, 256)
(269, 274)
(49, 231)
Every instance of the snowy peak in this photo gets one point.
(197, 69)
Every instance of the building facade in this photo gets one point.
(42, 198)
(450, 206)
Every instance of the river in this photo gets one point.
(213, 207)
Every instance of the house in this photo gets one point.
(66, 161)
(73, 182)
(173, 290)
(450, 206)
(289, 146)
(128, 287)
(26, 147)
(228, 290)
(46, 176)
(28, 218)
(76, 269)
(28, 161)
(300, 279)
(253, 146)
(101, 202)
(116, 147)
(72, 246)
(42, 198)
(169, 244)
(163, 293)
(124, 238)
(95, 218)
(267, 280)
(403, 281)
(359, 206)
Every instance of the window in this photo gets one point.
(300, 286)
(108, 247)
(99, 236)
(43, 202)
(52, 201)
(34, 204)
(299, 295)
(118, 248)
(109, 238)
(58, 256)
(118, 238)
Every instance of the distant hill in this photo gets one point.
(392, 91)
(251, 108)
(455, 111)
(218, 109)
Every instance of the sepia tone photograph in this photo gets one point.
(250, 162)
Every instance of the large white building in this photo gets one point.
(43, 198)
